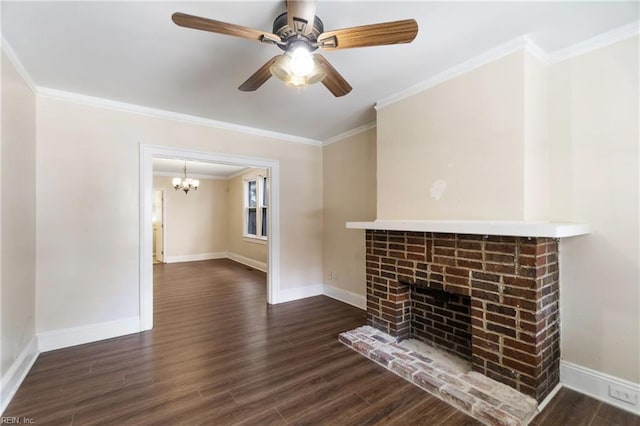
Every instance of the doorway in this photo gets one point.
(158, 226)
(147, 153)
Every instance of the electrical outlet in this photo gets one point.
(623, 394)
(330, 276)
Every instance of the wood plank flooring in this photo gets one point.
(218, 354)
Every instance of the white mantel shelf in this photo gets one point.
(479, 227)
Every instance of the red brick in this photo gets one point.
(525, 358)
(469, 264)
(500, 319)
(467, 254)
(416, 256)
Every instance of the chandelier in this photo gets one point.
(186, 184)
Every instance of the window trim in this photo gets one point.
(260, 181)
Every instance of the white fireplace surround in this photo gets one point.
(480, 227)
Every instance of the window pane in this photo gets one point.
(251, 221)
(264, 221)
(251, 193)
(264, 191)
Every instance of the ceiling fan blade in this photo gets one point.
(300, 15)
(333, 80)
(370, 35)
(205, 24)
(259, 77)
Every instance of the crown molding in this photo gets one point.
(597, 42)
(139, 109)
(489, 56)
(13, 58)
(349, 133)
(154, 112)
(521, 43)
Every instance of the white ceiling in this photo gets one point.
(132, 52)
(198, 169)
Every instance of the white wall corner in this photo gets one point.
(600, 386)
(13, 58)
(195, 257)
(17, 372)
(297, 293)
(536, 51)
(255, 264)
(57, 339)
(353, 299)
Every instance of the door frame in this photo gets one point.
(147, 152)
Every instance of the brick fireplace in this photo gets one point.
(512, 288)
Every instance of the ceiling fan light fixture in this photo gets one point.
(301, 62)
(283, 69)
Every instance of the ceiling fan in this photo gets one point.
(298, 32)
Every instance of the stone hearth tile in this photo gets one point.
(362, 347)
(400, 347)
(479, 381)
(514, 398)
(483, 396)
(452, 381)
(490, 415)
(428, 382)
(517, 413)
(421, 357)
(380, 338)
(403, 356)
(425, 367)
(402, 369)
(487, 400)
(347, 339)
(458, 398)
(381, 357)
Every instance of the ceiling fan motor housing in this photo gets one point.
(290, 38)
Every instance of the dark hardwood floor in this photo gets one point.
(218, 354)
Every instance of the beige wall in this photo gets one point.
(88, 237)
(18, 179)
(253, 249)
(463, 140)
(196, 223)
(348, 194)
(536, 147)
(593, 128)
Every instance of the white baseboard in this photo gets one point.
(17, 372)
(57, 339)
(195, 257)
(255, 264)
(596, 385)
(353, 299)
(291, 294)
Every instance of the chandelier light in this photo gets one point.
(186, 183)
